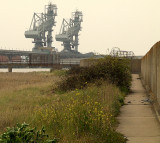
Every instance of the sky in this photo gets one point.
(131, 25)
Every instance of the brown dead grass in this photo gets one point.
(13, 81)
(21, 94)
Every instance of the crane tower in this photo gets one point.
(41, 28)
(69, 32)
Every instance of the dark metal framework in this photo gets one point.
(27, 57)
(69, 32)
(116, 52)
(19, 59)
(42, 24)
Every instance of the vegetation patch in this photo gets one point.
(115, 70)
(84, 115)
(84, 112)
(22, 133)
(21, 94)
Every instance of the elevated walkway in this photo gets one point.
(138, 120)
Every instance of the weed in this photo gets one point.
(22, 133)
(87, 114)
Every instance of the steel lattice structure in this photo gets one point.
(69, 32)
(116, 52)
(42, 24)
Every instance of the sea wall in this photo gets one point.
(135, 64)
(150, 71)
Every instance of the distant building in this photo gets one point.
(6, 59)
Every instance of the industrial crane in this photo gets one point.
(69, 32)
(41, 28)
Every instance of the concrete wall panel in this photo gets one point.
(150, 71)
(158, 73)
(136, 66)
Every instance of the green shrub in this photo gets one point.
(115, 70)
(22, 133)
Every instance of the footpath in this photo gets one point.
(138, 122)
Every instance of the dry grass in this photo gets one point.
(86, 115)
(21, 94)
(13, 81)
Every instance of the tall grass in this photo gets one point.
(21, 94)
(86, 115)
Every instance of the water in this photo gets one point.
(25, 70)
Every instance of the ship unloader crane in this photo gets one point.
(41, 28)
(69, 32)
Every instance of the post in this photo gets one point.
(9, 69)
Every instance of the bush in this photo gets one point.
(115, 70)
(22, 133)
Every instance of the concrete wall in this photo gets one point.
(135, 64)
(150, 71)
(87, 62)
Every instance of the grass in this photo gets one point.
(86, 115)
(77, 116)
(21, 93)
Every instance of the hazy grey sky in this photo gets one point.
(132, 25)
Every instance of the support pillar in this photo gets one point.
(9, 69)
